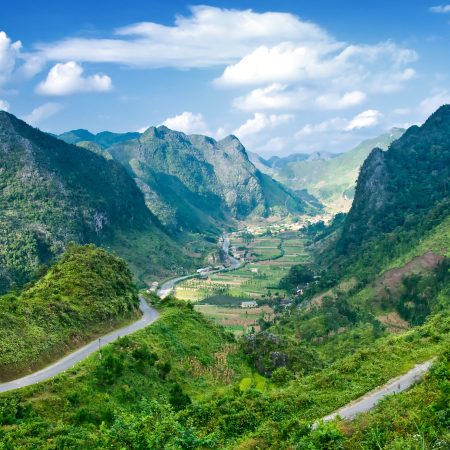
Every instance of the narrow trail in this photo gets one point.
(149, 315)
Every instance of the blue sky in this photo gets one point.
(284, 76)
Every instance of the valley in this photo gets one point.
(272, 313)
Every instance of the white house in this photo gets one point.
(251, 304)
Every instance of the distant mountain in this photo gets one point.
(277, 163)
(103, 139)
(197, 183)
(397, 187)
(52, 193)
(330, 177)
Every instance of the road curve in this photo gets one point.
(167, 287)
(149, 315)
(369, 401)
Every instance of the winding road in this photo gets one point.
(167, 287)
(370, 400)
(149, 315)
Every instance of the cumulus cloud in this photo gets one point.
(42, 113)
(187, 122)
(9, 52)
(260, 122)
(441, 9)
(336, 101)
(338, 63)
(365, 119)
(274, 96)
(208, 36)
(67, 78)
(4, 105)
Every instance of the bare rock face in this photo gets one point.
(397, 186)
(204, 182)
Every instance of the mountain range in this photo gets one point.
(195, 183)
(139, 194)
(53, 193)
(329, 176)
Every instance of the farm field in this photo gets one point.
(270, 259)
(237, 320)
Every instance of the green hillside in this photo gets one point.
(103, 139)
(88, 292)
(375, 302)
(397, 187)
(331, 178)
(52, 193)
(199, 184)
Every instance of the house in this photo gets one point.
(299, 291)
(254, 270)
(251, 304)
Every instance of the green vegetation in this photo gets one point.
(374, 303)
(396, 188)
(88, 292)
(418, 418)
(52, 193)
(103, 139)
(181, 358)
(271, 260)
(331, 178)
(198, 184)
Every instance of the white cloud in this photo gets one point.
(334, 124)
(430, 104)
(4, 105)
(209, 36)
(67, 78)
(9, 52)
(365, 119)
(42, 113)
(187, 122)
(261, 122)
(338, 64)
(335, 101)
(274, 96)
(441, 9)
(272, 146)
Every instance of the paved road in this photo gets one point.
(370, 400)
(167, 287)
(149, 315)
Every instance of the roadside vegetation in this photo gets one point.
(87, 293)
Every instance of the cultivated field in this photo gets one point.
(270, 260)
(236, 320)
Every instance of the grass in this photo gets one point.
(180, 354)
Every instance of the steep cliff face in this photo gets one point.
(52, 193)
(397, 186)
(197, 183)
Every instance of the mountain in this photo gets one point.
(103, 139)
(330, 177)
(397, 187)
(277, 163)
(52, 193)
(197, 183)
